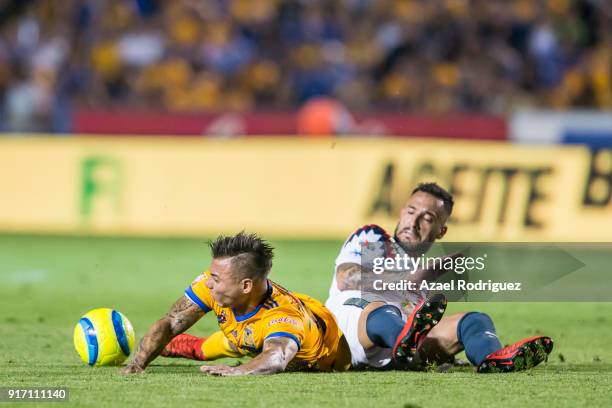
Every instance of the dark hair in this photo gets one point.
(252, 255)
(438, 192)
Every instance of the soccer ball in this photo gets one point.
(104, 337)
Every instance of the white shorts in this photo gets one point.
(347, 317)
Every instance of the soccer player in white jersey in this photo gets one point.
(385, 332)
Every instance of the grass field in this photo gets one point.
(47, 283)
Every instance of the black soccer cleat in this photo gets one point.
(422, 319)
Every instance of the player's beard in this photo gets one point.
(413, 249)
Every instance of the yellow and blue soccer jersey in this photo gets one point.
(298, 317)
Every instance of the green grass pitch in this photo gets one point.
(47, 283)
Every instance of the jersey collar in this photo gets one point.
(259, 306)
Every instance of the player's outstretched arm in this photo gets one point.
(181, 316)
(277, 353)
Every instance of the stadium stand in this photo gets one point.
(240, 55)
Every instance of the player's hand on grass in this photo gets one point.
(221, 370)
(132, 369)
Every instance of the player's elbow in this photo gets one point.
(277, 362)
(165, 327)
(276, 359)
(175, 325)
(286, 354)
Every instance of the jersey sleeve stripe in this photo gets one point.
(285, 334)
(195, 299)
(384, 236)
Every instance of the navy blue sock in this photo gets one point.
(383, 325)
(477, 334)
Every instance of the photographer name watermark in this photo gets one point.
(459, 284)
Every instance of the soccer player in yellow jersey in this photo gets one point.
(257, 317)
(408, 331)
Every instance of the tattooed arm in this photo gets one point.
(276, 354)
(181, 316)
(348, 276)
(351, 276)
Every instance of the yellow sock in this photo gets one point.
(218, 346)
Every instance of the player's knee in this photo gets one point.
(471, 317)
(373, 317)
(370, 322)
(383, 324)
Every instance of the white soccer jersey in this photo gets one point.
(351, 252)
(351, 249)
(348, 315)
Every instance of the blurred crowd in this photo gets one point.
(237, 55)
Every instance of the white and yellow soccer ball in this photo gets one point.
(104, 337)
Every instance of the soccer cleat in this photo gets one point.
(422, 319)
(522, 355)
(185, 346)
